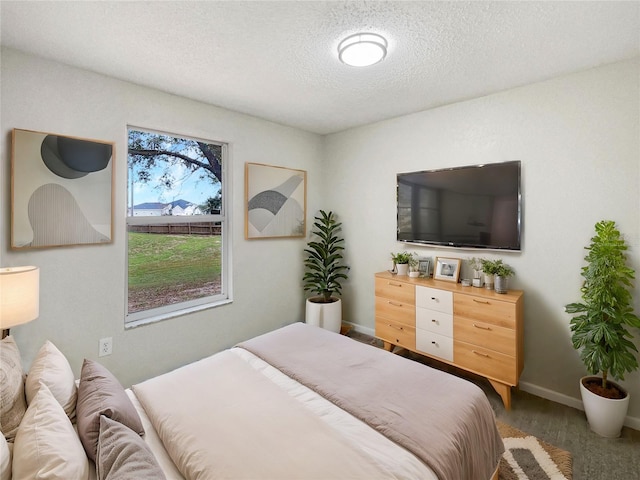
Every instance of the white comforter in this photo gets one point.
(234, 416)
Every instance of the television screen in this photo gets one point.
(475, 206)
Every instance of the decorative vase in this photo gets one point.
(324, 315)
(402, 268)
(501, 284)
(488, 281)
(605, 415)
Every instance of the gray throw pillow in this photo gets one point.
(123, 455)
(100, 393)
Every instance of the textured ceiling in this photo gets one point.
(278, 60)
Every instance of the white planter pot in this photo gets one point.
(324, 315)
(402, 268)
(488, 281)
(605, 416)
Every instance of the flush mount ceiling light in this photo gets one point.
(362, 49)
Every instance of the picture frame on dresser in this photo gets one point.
(447, 269)
(424, 267)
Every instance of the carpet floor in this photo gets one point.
(593, 457)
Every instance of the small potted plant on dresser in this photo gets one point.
(476, 265)
(414, 264)
(489, 268)
(501, 275)
(600, 330)
(401, 261)
(324, 272)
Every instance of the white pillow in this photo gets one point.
(5, 459)
(12, 401)
(51, 368)
(46, 445)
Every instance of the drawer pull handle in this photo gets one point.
(393, 284)
(484, 302)
(435, 299)
(396, 327)
(480, 353)
(395, 304)
(481, 327)
(433, 320)
(434, 342)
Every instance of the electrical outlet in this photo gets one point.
(106, 346)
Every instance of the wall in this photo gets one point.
(83, 288)
(578, 139)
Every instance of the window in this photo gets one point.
(177, 224)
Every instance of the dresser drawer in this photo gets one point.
(434, 344)
(396, 333)
(486, 335)
(434, 299)
(399, 291)
(485, 309)
(486, 362)
(395, 311)
(433, 321)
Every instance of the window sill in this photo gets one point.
(169, 315)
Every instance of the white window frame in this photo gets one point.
(153, 315)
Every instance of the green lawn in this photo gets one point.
(165, 269)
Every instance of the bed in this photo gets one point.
(296, 403)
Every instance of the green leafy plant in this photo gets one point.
(495, 267)
(401, 258)
(324, 268)
(503, 270)
(489, 266)
(599, 330)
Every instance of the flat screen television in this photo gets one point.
(475, 206)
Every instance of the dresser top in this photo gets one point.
(510, 296)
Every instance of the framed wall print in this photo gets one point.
(276, 201)
(447, 269)
(61, 190)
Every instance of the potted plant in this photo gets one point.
(476, 266)
(324, 272)
(600, 329)
(401, 262)
(489, 268)
(501, 274)
(414, 263)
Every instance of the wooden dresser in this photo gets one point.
(471, 328)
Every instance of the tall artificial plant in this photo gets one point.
(324, 267)
(599, 329)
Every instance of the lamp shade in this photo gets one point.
(19, 295)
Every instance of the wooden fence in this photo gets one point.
(203, 228)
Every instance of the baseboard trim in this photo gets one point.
(360, 329)
(629, 421)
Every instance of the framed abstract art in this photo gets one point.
(61, 190)
(276, 201)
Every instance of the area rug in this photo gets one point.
(529, 458)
